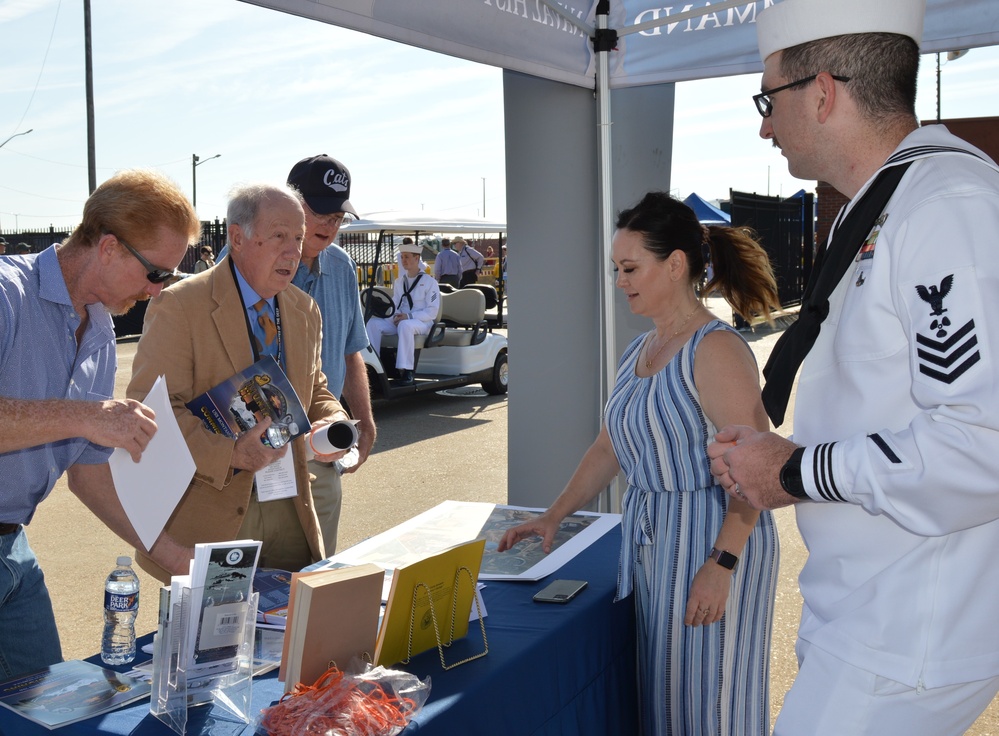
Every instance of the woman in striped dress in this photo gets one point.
(703, 568)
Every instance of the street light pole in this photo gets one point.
(483, 197)
(195, 163)
(15, 136)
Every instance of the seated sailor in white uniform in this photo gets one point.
(417, 297)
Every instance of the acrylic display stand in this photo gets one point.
(441, 644)
(179, 684)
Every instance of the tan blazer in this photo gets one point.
(195, 334)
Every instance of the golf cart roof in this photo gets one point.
(398, 221)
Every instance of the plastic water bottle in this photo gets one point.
(121, 604)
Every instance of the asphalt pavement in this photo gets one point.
(430, 448)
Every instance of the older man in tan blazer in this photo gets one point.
(203, 330)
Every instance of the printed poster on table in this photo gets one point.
(455, 522)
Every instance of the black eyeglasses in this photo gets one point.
(766, 105)
(154, 274)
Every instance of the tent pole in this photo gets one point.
(604, 41)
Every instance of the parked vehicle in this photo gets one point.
(462, 347)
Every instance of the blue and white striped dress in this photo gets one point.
(692, 680)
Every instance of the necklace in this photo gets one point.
(650, 361)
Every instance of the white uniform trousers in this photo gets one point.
(407, 330)
(832, 698)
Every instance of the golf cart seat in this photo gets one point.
(463, 313)
(489, 292)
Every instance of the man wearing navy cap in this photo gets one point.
(329, 276)
(894, 468)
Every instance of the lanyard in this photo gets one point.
(249, 328)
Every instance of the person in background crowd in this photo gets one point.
(22, 249)
(471, 262)
(329, 276)
(503, 266)
(417, 302)
(447, 265)
(702, 567)
(203, 330)
(895, 455)
(3, 247)
(205, 259)
(57, 374)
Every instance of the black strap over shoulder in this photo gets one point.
(831, 264)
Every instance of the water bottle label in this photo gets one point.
(120, 602)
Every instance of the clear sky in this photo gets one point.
(418, 130)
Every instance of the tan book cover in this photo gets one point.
(435, 576)
(332, 617)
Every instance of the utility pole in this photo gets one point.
(89, 72)
(938, 85)
(195, 163)
(483, 197)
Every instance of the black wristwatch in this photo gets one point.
(790, 475)
(723, 558)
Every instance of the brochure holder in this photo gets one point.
(461, 574)
(179, 684)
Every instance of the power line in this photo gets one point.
(38, 79)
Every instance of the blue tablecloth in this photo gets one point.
(551, 669)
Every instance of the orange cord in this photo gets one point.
(337, 704)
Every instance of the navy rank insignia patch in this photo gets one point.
(947, 352)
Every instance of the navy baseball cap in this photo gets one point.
(324, 183)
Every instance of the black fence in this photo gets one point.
(786, 228)
(36, 240)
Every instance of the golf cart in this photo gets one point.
(461, 348)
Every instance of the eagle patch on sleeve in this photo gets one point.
(944, 312)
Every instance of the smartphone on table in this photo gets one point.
(560, 591)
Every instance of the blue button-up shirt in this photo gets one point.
(39, 359)
(332, 282)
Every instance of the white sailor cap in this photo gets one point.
(792, 22)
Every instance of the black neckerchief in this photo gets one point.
(407, 290)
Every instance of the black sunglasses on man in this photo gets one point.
(154, 274)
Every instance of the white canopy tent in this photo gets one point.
(559, 154)
(657, 42)
(398, 221)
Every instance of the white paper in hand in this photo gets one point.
(150, 489)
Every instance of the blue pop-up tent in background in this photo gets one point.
(706, 212)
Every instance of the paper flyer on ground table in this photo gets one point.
(150, 489)
(68, 692)
(454, 522)
(439, 582)
(262, 390)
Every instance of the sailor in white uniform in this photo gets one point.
(894, 464)
(417, 301)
